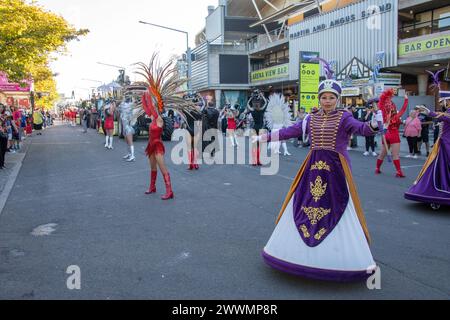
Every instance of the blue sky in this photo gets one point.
(117, 38)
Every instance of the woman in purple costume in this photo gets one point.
(321, 231)
(433, 183)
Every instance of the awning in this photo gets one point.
(282, 13)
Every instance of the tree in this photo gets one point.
(28, 35)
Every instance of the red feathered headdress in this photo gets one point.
(163, 84)
(386, 105)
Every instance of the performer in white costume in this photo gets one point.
(278, 117)
(321, 231)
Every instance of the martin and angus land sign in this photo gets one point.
(280, 71)
(422, 46)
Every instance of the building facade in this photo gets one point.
(371, 44)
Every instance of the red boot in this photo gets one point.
(258, 153)
(399, 173)
(152, 188)
(169, 192)
(191, 160)
(254, 157)
(379, 163)
(194, 159)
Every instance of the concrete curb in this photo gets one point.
(11, 180)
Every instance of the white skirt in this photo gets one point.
(343, 255)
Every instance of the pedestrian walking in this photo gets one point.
(369, 114)
(426, 122)
(37, 121)
(412, 132)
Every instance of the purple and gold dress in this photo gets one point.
(433, 183)
(321, 231)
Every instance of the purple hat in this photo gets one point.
(330, 85)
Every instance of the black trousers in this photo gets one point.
(3, 147)
(412, 144)
(370, 143)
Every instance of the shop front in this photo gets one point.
(13, 94)
(373, 27)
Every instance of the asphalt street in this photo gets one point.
(90, 210)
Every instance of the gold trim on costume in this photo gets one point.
(293, 186)
(320, 165)
(318, 189)
(320, 234)
(304, 229)
(431, 158)
(355, 197)
(315, 214)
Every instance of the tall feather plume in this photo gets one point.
(163, 87)
(277, 113)
(326, 67)
(436, 85)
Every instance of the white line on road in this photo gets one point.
(418, 165)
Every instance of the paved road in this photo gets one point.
(203, 245)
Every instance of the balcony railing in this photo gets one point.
(424, 28)
(262, 40)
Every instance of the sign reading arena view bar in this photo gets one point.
(365, 14)
(270, 73)
(421, 46)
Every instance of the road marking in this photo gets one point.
(406, 167)
(179, 258)
(44, 230)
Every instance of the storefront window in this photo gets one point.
(428, 22)
(443, 17)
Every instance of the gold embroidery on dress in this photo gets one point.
(320, 234)
(320, 165)
(315, 214)
(318, 189)
(305, 231)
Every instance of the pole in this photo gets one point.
(188, 50)
(189, 63)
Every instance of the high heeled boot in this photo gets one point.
(169, 192)
(152, 188)
(194, 159)
(378, 168)
(191, 160)
(399, 173)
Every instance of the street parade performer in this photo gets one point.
(256, 106)
(195, 128)
(162, 84)
(392, 121)
(321, 231)
(126, 115)
(110, 108)
(433, 183)
(278, 117)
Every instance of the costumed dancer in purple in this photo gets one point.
(433, 183)
(321, 231)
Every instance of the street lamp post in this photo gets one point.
(188, 50)
(122, 78)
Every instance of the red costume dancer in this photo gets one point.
(162, 92)
(392, 121)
